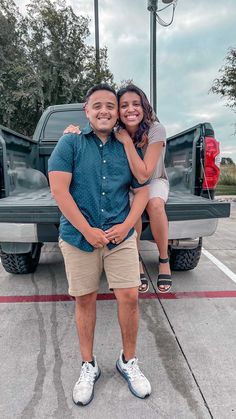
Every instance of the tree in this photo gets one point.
(227, 161)
(49, 62)
(12, 59)
(225, 85)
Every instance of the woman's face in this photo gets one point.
(131, 110)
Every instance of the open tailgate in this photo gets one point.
(39, 207)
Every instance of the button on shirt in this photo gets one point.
(101, 179)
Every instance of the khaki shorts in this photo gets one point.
(84, 269)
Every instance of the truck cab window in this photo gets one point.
(59, 120)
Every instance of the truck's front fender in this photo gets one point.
(16, 248)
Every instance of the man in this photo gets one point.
(90, 179)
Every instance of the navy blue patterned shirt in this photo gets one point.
(100, 184)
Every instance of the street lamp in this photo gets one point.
(155, 17)
(97, 56)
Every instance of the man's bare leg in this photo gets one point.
(128, 316)
(85, 317)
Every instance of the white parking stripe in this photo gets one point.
(220, 265)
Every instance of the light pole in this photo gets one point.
(152, 7)
(97, 57)
(154, 17)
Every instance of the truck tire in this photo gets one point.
(185, 259)
(23, 263)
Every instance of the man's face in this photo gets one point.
(102, 111)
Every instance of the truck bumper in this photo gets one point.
(28, 233)
(179, 231)
(18, 233)
(192, 228)
(185, 234)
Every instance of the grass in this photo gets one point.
(226, 190)
(227, 181)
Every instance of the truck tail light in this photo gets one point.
(211, 163)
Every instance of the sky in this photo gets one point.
(190, 53)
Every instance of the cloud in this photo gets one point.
(189, 55)
(192, 16)
(228, 151)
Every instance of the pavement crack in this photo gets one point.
(62, 410)
(29, 410)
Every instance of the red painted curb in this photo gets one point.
(102, 297)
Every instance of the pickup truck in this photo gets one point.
(29, 216)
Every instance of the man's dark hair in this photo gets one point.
(97, 87)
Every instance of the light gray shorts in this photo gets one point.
(158, 188)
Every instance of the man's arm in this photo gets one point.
(141, 196)
(120, 231)
(60, 183)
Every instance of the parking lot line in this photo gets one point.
(220, 265)
(41, 298)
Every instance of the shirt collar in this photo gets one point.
(88, 130)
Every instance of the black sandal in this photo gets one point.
(144, 287)
(164, 279)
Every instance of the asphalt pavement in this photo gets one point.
(186, 344)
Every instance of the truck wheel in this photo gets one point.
(23, 263)
(185, 259)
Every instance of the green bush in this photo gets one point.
(227, 175)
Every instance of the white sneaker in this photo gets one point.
(137, 382)
(84, 388)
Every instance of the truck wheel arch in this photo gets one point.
(185, 259)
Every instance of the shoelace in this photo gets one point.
(133, 370)
(86, 374)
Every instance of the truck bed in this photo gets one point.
(39, 207)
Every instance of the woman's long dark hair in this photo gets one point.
(140, 137)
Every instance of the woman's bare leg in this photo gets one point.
(138, 227)
(159, 228)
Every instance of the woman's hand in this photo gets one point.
(122, 136)
(72, 129)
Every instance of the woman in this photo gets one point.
(139, 128)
